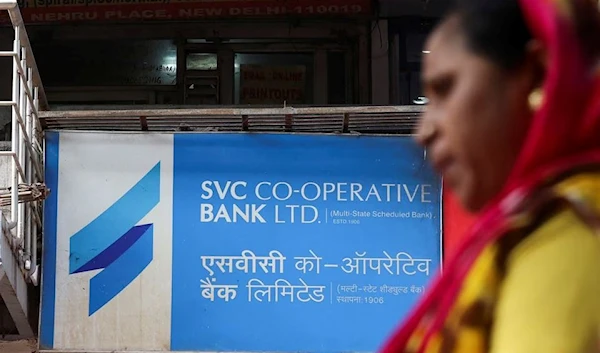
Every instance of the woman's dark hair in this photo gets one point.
(495, 29)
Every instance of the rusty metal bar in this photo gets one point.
(244, 122)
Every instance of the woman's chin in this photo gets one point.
(465, 193)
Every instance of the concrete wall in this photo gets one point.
(7, 325)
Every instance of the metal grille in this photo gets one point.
(360, 119)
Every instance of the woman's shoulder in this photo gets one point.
(568, 242)
(573, 231)
(549, 300)
(561, 239)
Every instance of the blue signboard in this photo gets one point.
(303, 243)
(234, 242)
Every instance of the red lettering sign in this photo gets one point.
(61, 11)
(263, 84)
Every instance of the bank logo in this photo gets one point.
(114, 242)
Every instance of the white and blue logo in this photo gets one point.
(115, 243)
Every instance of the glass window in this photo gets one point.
(413, 91)
(414, 47)
(201, 61)
(337, 85)
(107, 63)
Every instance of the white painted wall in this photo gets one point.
(5, 173)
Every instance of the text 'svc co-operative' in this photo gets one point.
(240, 201)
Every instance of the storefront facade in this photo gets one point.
(408, 27)
(223, 52)
(203, 53)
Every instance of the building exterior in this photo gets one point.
(222, 52)
(216, 52)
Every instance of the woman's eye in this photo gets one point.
(442, 87)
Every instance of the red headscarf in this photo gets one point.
(564, 134)
(566, 129)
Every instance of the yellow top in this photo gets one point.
(549, 301)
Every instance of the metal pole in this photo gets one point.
(20, 152)
(29, 240)
(33, 274)
(14, 198)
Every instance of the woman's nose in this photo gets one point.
(425, 131)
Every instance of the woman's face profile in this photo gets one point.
(476, 118)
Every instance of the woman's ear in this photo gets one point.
(536, 63)
(535, 68)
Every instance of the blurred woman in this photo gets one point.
(513, 124)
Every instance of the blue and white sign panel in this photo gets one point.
(234, 242)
